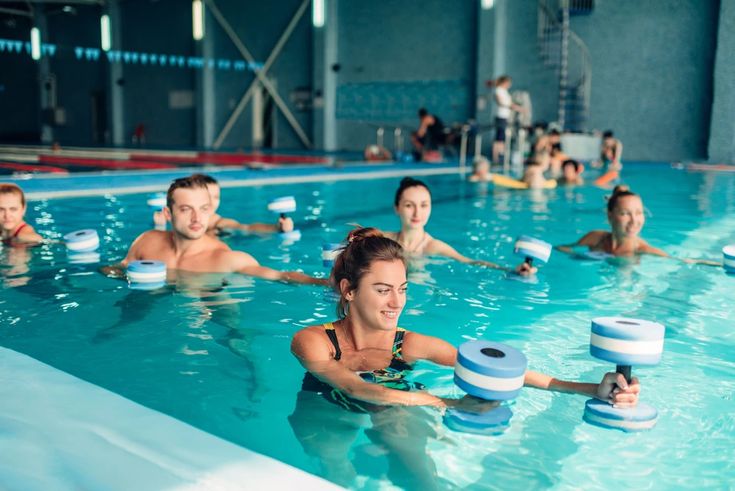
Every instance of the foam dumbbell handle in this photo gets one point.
(625, 371)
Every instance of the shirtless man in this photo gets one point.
(219, 224)
(14, 231)
(188, 247)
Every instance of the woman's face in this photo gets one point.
(414, 207)
(379, 298)
(12, 211)
(627, 218)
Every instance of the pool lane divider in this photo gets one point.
(158, 180)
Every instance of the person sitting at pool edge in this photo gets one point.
(361, 360)
(571, 173)
(429, 136)
(218, 224)
(626, 217)
(187, 247)
(412, 204)
(14, 231)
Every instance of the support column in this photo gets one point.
(204, 83)
(722, 124)
(46, 80)
(325, 79)
(115, 82)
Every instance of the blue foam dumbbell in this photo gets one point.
(82, 241)
(330, 251)
(625, 342)
(728, 258)
(490, 371)
(146, 274)
(281, 206)
(530, 248)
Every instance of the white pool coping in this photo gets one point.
(58, 432)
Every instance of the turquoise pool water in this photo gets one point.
(219, 358)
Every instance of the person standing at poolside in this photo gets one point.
(14, 231)
(187, 247)
(626, 216)
(218, 224)
(504, 107)
(412, 204)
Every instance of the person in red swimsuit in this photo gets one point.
(13, 228)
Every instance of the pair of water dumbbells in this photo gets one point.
(495, 372)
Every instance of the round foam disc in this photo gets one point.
(493, 422)
(638, 418)
(626, 341)
(82, 240)
(492, 371)
(529, 247)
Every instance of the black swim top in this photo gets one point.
(393, 376)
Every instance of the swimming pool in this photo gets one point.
(218, 358)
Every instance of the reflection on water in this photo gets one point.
(213, 350)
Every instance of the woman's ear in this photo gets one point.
(346, 290)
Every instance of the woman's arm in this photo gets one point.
(589, 239)
(612, 389)
(645, 248)
(443, 249)
(311, 348)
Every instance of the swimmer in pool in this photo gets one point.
(480, 170)
(361, 363)
(218, 225)
(571, 173)
(187, 247)
(626, 216)
(533, 175)
(14, 231)
(611, 151)
(413, 206)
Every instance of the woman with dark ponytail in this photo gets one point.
(626, 216)
(412, 204)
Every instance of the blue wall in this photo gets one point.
(652, 74)
(722, 139)
(403, 54)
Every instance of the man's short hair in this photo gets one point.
(206, 178)
(189, 182)
(608, 134)
(9, 188)
(423, 112)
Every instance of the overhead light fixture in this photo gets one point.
(317, 13)
(105, 37)
(487, 4)
(197, 16)
(35, 43)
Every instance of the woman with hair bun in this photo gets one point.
(362, 362)
(626, 216)
(412, 204)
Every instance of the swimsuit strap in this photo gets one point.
(332, 335)
(17, 230)
(398, 344)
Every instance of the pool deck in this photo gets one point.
(38, 187)
(58, 432)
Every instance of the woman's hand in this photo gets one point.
(525, 269)
(472, 404)
(614, 390)
(285, 224)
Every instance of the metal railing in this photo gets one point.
(563, 50)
